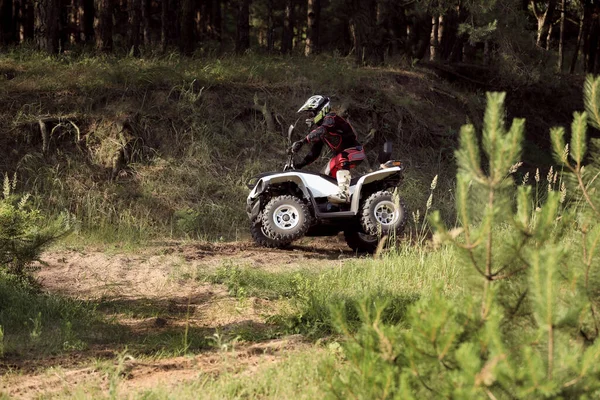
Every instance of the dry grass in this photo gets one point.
(142, 148)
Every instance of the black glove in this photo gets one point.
(299, 165)
(296, 147)
(289, 167)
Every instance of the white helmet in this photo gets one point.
(319, 105)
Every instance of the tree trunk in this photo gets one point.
(46, 25)
(419, 36)
(487, 52)
(201, 21)
(187, 43)
(391, 23)
(74, 21)
(87, 20)
(287, 40)
(270, 28)
(312, 30)
(396, 27)
(7, 28)
(591, 36)
(453, 39)
(169, 18)
(441, 37)
(216, 20)
(17, 20)
(577, 46)
(242, 42)
(433, 42)
(65, 28)
(164, 24)
(593, 47)
(134, 38)
(367, 36)
(544, 20)
(25, 20)
(549, 37)
(103, 25)
(120, 15)
(146, 23)
(81, 38)
(561, 40)
(587, 21)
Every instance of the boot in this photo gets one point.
(343, 196)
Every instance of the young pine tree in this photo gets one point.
(526, 325)
(24, 233)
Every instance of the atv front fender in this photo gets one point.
(264, 183)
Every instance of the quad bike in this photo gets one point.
(285, 206)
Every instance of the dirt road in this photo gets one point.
(158, 284)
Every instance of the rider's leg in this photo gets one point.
(341, 169)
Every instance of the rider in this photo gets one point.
(338, 134)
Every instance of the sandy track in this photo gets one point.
(155, 272)
(162, 277)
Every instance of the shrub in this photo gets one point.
(529, 328)
(24, 233)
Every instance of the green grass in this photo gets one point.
(192, 138)
(39, 324)
(398, 278)
(91, 72)
(35, 324)
(297, 376)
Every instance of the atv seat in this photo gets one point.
(353, 181)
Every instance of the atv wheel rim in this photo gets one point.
(386, 213)
(286, 217)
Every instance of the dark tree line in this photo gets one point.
(471, 31)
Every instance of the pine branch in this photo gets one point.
(585, 192)
(578, 137)
(557, 137)
(517, 306)
(591, 89)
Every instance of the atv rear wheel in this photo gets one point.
(285, 219)
(262, 239)
(382, 214)
(361, 242)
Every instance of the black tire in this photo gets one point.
(261, 238)
(285, 219)
(376, 209)
(361, 242)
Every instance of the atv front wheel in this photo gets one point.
(361, 242)
(262, 239)
(285, 219)
(382, 214)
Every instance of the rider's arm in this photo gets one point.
(312, 155)
(316, 136)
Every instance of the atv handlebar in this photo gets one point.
(290, 165)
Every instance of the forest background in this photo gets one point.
(473, 31)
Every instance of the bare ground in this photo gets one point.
(153, 290)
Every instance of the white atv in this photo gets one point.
(285, 206)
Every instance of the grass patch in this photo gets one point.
(296, 377)
(398, 278)
(93, 72)
(37, 323)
